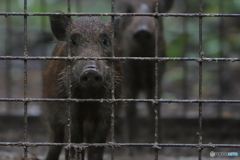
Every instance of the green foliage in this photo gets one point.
(50, 6)
(177, 46)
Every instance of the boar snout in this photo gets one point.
(143, 35)
(91, 77)
(142, 29)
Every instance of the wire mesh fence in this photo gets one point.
(204, 52)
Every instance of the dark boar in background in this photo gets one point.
(137, 35)
(89, 79)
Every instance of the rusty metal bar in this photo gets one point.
(184, 64)
(156, 91)
(220, 65)
(193, 15)
(112, 131)
(69, 86)
(197, 59)
(43, 25)
(69, 6)
(201, 55)
(8, 52)
(119, 145)
(25, 82)
(115, 100)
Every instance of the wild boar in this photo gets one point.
(137, 37)
(86, 79)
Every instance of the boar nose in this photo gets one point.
(91, 77)
(143, 36)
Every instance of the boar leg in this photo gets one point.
(98, 134)
(76, 137)
(58, 137)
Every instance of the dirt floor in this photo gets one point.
(216, 131)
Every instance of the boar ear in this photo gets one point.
(168, 5)
(59, 24)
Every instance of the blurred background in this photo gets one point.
(221, 80)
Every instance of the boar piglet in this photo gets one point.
(89, 79)
(137, 35)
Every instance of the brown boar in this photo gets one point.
(137, 35)
(89, 79)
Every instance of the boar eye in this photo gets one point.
(74, 39)
(105, 40)
(74, 42)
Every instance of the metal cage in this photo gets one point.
(202, 58)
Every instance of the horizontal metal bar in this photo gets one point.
(197, 59)
(118, 145)
(114, 100)
(121, 14)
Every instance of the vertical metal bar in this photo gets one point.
(201, 55)
(156, 105)
(43, 7)
(184, 65)
(25, 81)
(113, 85)
(8, 52)
(69, 88)
(69, 6)
(220, 65)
